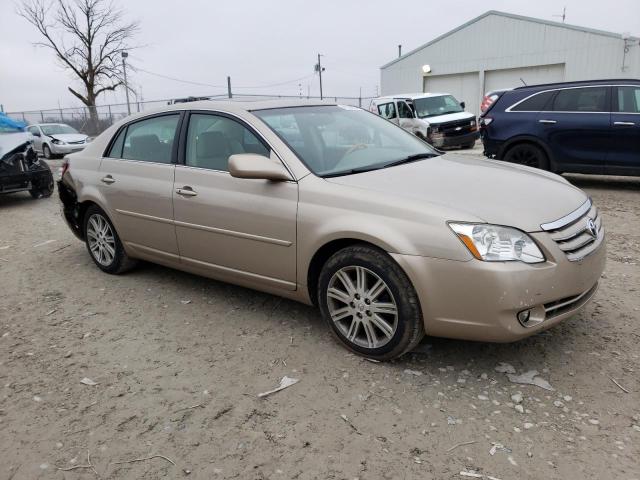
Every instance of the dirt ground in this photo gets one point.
(179, 361)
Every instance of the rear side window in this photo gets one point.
(537, 103)
(628, 99)
(150, 140)
(387, 110)
(592, 99)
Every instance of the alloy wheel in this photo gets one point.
(102, 242)
(362, 307)
(526, 156)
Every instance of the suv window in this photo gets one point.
(590, 99)
(387, 110)
(628, 99)
(149, 140)
(536, 103)
(212, 139)
(404, 111)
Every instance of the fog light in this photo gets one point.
(523, 317)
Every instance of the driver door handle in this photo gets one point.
(108, 179)
(625, 124)
(186, 191)
(549, 122)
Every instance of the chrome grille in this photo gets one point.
(579, 233)
(565, 304)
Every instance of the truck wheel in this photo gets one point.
(369, 303)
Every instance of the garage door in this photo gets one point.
(464, 86)
(514, 77)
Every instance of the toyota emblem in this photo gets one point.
(591, 228)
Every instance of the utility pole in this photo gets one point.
(126, 84)
(319, 69)
(229, 87)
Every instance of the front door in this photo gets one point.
(624, 156)
(231, 228)
(136, 183)
(577, 128)
(37, 138)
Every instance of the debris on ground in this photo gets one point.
(417, 373)
(505, 368)
(348, 422)
(498, 447)
(530, 378)
(88, 381)
(285, 382)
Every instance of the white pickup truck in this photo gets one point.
(435, 117)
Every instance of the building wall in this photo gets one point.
(500, 42)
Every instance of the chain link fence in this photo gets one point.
(106, 115)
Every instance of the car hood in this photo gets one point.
(69, 137)
(12, 141)
(494, 191)
(450, 117)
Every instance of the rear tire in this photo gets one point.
(369, 303)
(44, 188)
(103, 243)
(527, 154)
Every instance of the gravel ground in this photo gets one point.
(179, 360)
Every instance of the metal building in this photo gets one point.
(501, 50)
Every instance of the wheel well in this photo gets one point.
(527, 141)
(321, 257)
(82, 210)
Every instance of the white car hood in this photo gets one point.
(69, 137)
(450, 117)
(11, 140)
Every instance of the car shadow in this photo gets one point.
(602, 182)
(14, 200)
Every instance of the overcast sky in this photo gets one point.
(261, 42)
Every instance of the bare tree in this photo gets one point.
(88, 38)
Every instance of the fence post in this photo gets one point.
(229, 87)
(23, 118)
(110, 115)
(42, 116)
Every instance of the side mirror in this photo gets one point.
(462, 105)
(251, 165)
(36, 134)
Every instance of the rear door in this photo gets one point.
(577, 128)
(136, 182)
(624, 156)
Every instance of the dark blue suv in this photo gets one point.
(581, 127)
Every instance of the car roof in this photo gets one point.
(578, 83)
(411, 95)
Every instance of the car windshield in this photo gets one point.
(432, 106)
(338, 140)
(57, 129)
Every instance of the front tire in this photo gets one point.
(527, 154)
(103, 243)
(46, 152)
(369, 303)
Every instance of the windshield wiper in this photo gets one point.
(351, 171)
(410, 158)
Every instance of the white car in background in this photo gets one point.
(436, 117)
(56, 139)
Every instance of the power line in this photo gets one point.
(190, 82)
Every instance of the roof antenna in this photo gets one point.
(564, 14)
(523, 82)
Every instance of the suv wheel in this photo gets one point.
(369, 303)
(527, 154)
(103, 243)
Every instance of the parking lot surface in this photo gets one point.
(164, 368)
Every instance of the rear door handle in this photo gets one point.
(549, 122)
(186, 191)
(108, 179)
(624, 124)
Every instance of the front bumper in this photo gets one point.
(446, 141)
(66, 148)
(477, 300)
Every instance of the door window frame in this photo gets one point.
(556, 90)
(124, 128)
(184, 128)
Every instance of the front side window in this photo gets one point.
(34, 131)
(628, 99)
(212, 139)
(404, 111)
(387, 110)
(592, 99)
(150, 140)
(340, 140)
(438, 105)
(537, 103)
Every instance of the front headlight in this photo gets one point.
(493, 243)
(55, 141)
